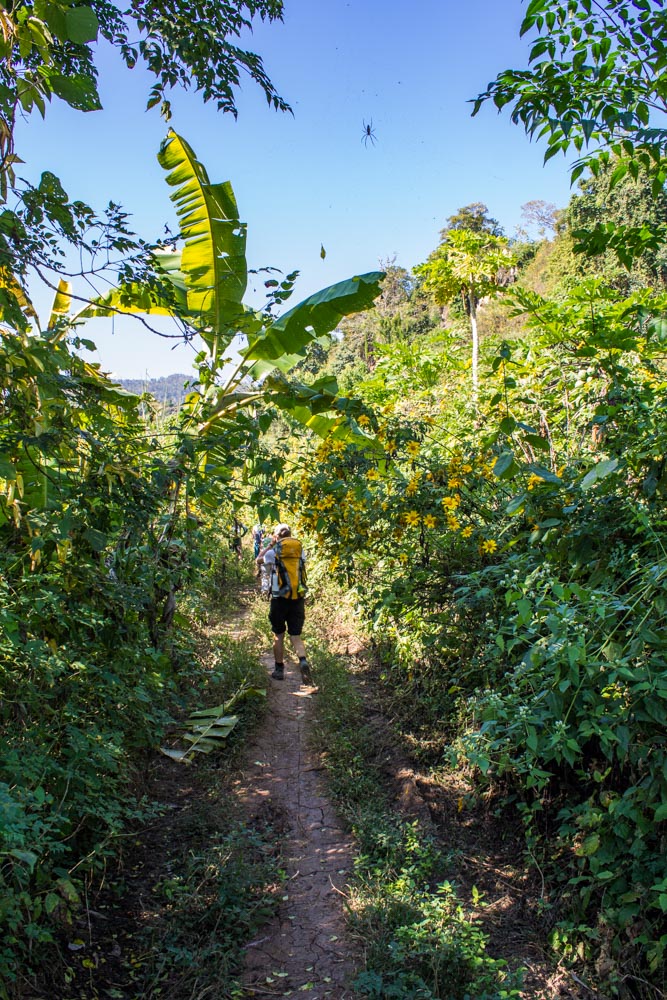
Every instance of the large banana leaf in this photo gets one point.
(135, 297)
(213, 259)
(283, 344)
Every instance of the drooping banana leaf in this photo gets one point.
(283, 344)
(213, 259)
(62, 302)
(149, 299)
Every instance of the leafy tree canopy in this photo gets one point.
(606, 219)
(402, 313)
(46, 50)
(475, 218)
(596, 83)
(468, 264)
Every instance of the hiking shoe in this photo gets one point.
(278, 672)
(306, 675)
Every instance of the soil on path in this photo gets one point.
(304, 951)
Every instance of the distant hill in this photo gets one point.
(168, 390)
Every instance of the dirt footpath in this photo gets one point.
(304, 951)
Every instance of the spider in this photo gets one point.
(368, 133)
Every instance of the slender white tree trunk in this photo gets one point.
(475, 348)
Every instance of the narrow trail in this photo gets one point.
(304, 951)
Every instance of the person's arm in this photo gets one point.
(261, 557)
(270, 562)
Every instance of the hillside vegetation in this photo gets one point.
(475, 452)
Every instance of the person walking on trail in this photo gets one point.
(286, 565)
(257, 535)
(238, 531)
(263, 570)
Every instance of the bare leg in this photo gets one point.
(278, 648)
(300, 650)
(298, 646)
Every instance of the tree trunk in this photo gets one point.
(475, 349)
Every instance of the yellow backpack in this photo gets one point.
(291, 568)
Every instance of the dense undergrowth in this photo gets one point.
(505, 537)
(509, 561)
(88, 698)
(418, 933)
(203, 880)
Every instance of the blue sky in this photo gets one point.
(308, 180)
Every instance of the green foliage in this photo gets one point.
(512, 573)
(467, 264)
(203, 287)
(213, 260)
(596, 73)
(47, 50)
(475, 218)
(419, 940)
(217, 896)
(207, 728)
(402, 313)
(613, 233)
(595, 82)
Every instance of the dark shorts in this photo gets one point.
(284, 612)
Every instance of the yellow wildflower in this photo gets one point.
(372, 474)
(466, 468)
(412, 448)
(450, 503)
(454, 482)
(453, 523)
(489, 545)
(412, 518)
(430, 521)
(467, 532)
(364, 421)
(412, 487)
(533, 481)
(403, 557)
(333, 565)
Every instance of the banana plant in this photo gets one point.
(204, 286)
